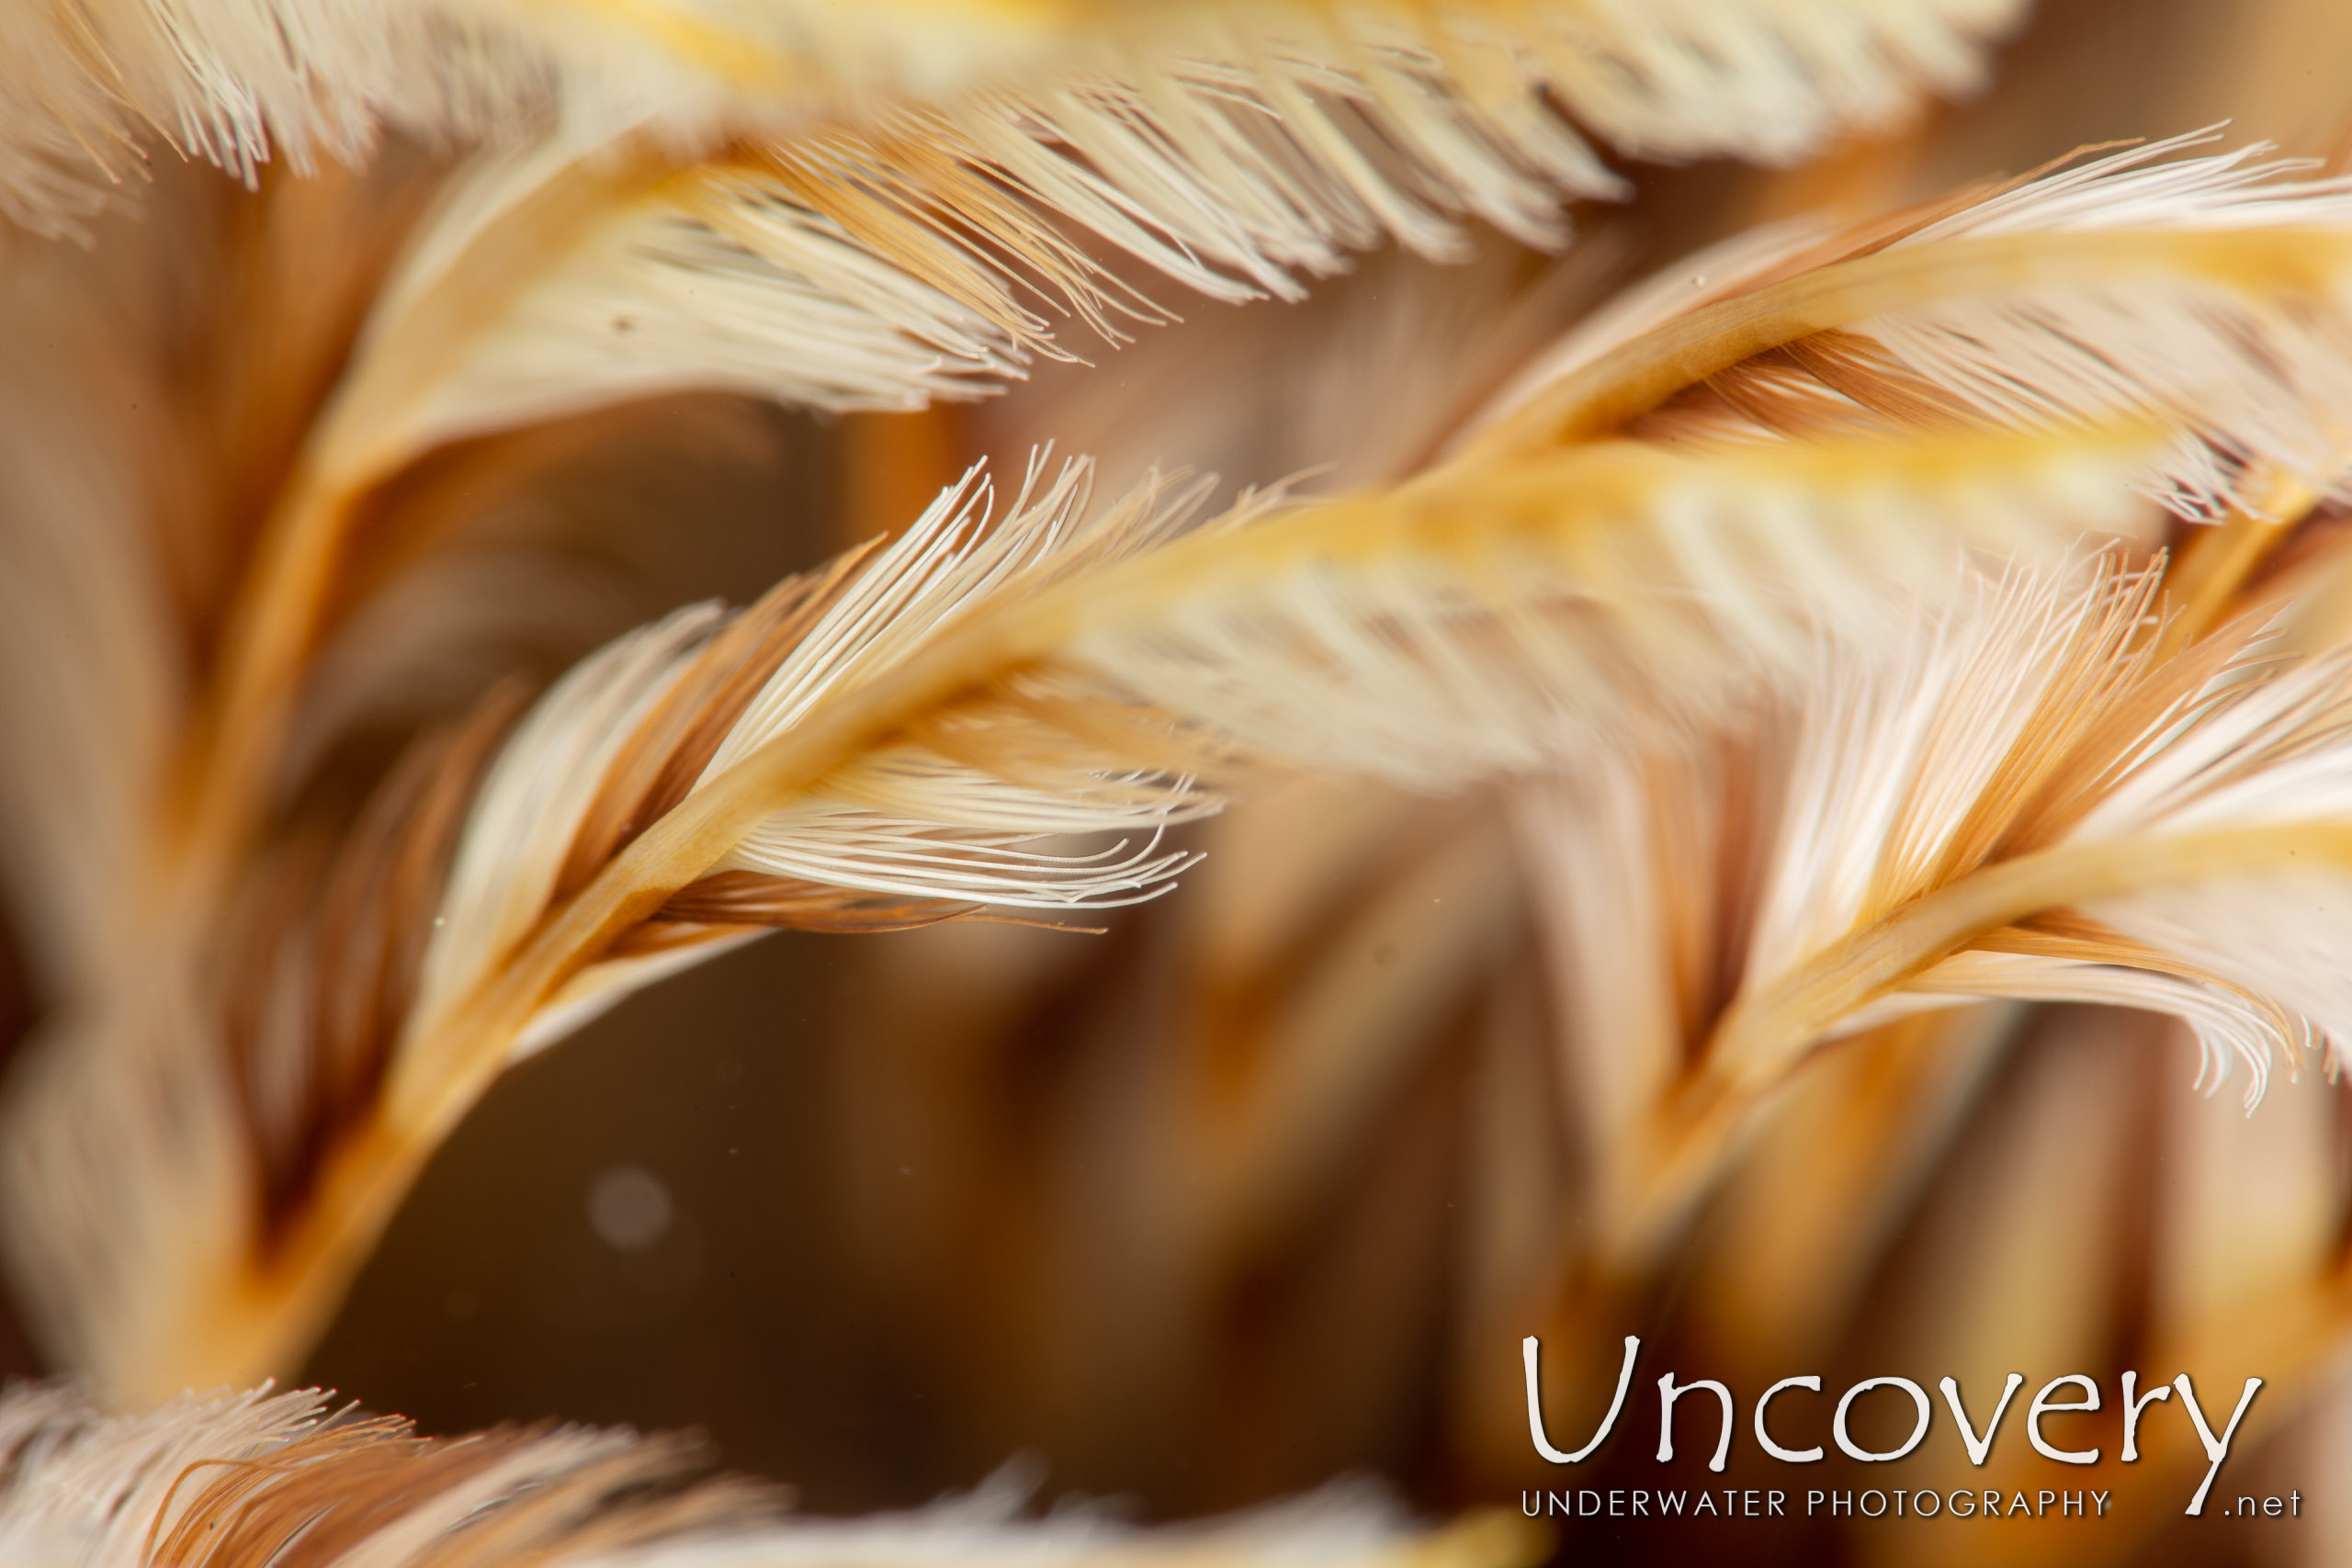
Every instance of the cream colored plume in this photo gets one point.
(2206, 293)
(2031, 798)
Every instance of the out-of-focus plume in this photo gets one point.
(224, 1481)
(1138, 94)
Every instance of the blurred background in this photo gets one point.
(1262, 1183)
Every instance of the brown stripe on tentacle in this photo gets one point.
(676, 742)
(727, 901)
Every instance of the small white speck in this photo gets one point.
(1698, 280)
